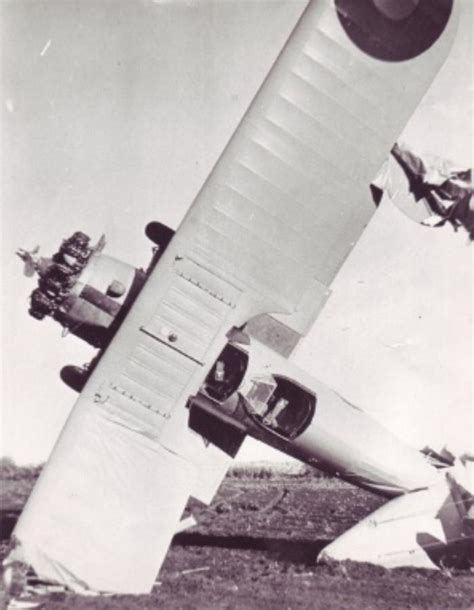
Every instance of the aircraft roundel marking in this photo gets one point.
(394, 30)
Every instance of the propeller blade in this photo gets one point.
(29, 269)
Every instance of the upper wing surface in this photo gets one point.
(281, 210)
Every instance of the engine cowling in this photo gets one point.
(84, 290)
(100, 298)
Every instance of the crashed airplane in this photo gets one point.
(195, 352)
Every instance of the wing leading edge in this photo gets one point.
(278, 215)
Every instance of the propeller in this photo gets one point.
(28, 257)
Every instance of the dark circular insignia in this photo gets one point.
(394, 30)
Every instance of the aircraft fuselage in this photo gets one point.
(283, 406)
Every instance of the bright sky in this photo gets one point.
(113, 115)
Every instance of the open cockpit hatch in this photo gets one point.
(279, 405)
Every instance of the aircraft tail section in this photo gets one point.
(427, 528)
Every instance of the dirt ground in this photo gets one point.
(255, 547)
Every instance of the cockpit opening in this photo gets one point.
(279, 404)
(227, 373)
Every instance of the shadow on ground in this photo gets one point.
(295, 550)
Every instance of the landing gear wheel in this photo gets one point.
(159, 234)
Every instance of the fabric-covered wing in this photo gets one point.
(106, 508)
(270, 228)
(291, 190)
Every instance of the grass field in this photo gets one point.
(255, 548)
